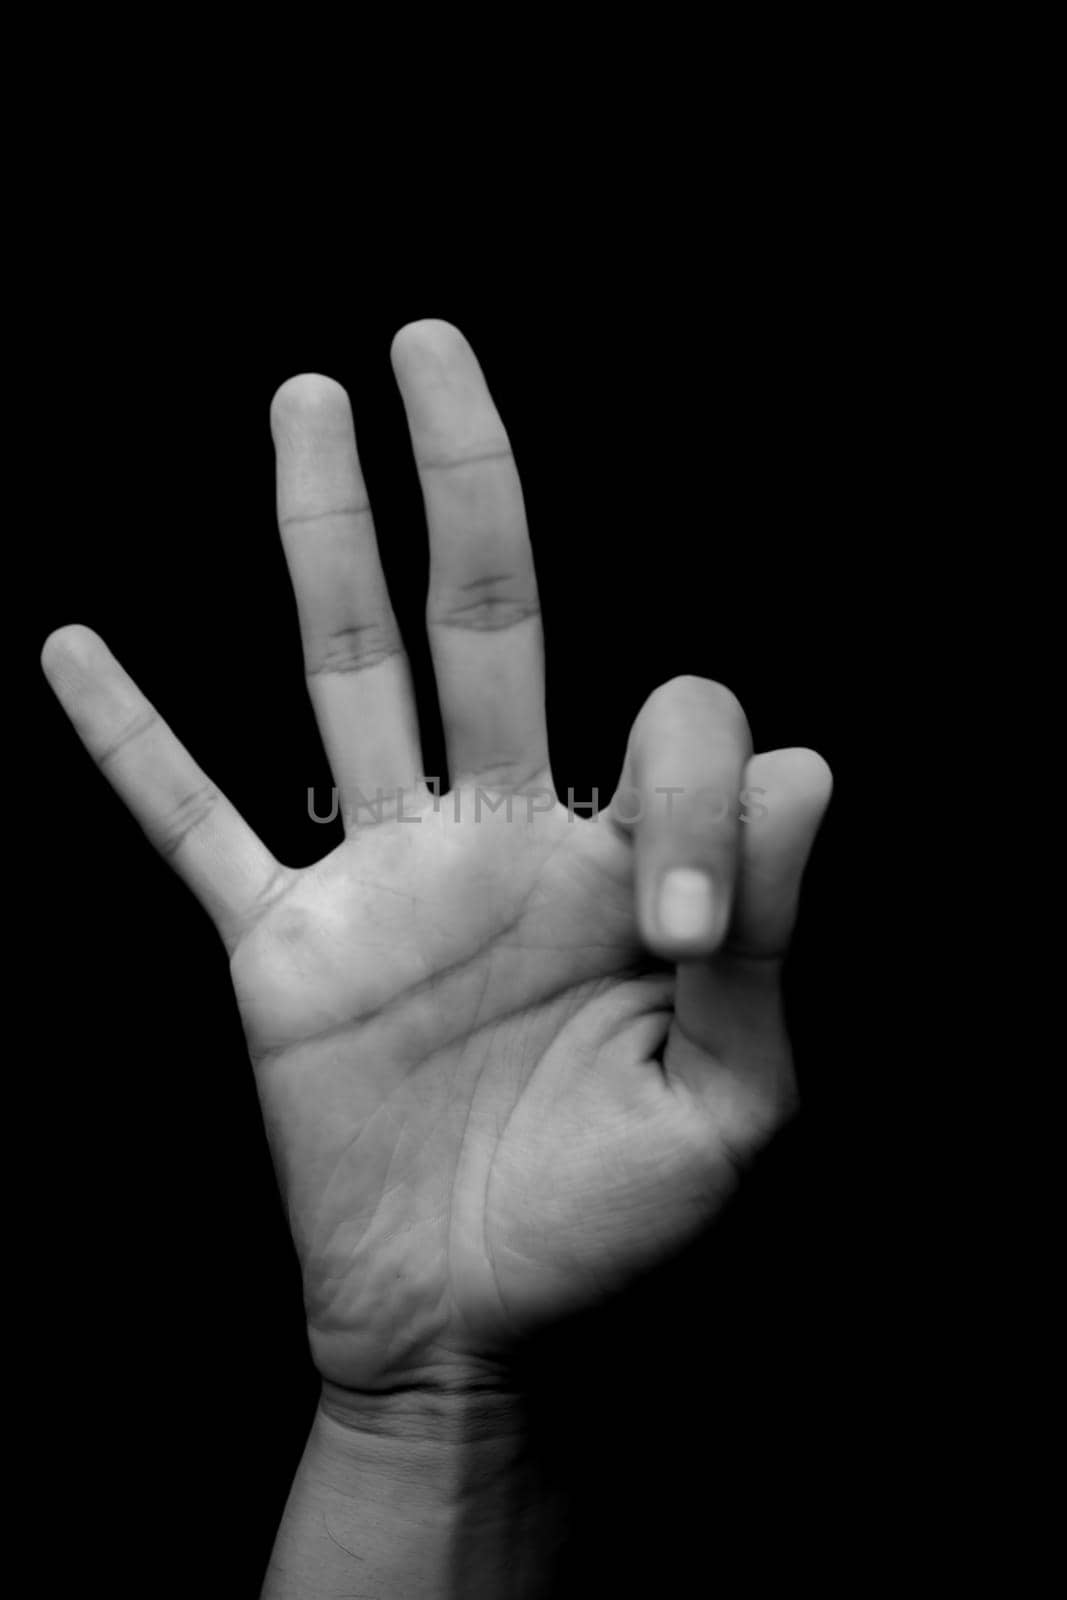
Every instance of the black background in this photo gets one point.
(710, 443)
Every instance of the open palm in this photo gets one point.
(507, 1055)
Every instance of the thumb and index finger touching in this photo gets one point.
(721, 836)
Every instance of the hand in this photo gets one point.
(507, 1055)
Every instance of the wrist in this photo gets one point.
(447, 1442)
(421, 1488)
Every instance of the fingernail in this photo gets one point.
(687, 907)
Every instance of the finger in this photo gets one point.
(722, 1007)
(190, 823)
(784, 798)
(679, 796)
(357, 671)
(482, 612)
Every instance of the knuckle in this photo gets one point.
(485, 605)
(188, 813)
(142, 723)
(352, 648)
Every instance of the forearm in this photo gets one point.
(416, 1497)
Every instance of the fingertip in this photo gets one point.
(73, 644)
(426, 335)
(815, 770)
(686, 700)
(304, 395)
(796, 776)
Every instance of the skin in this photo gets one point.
(496, 1085)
